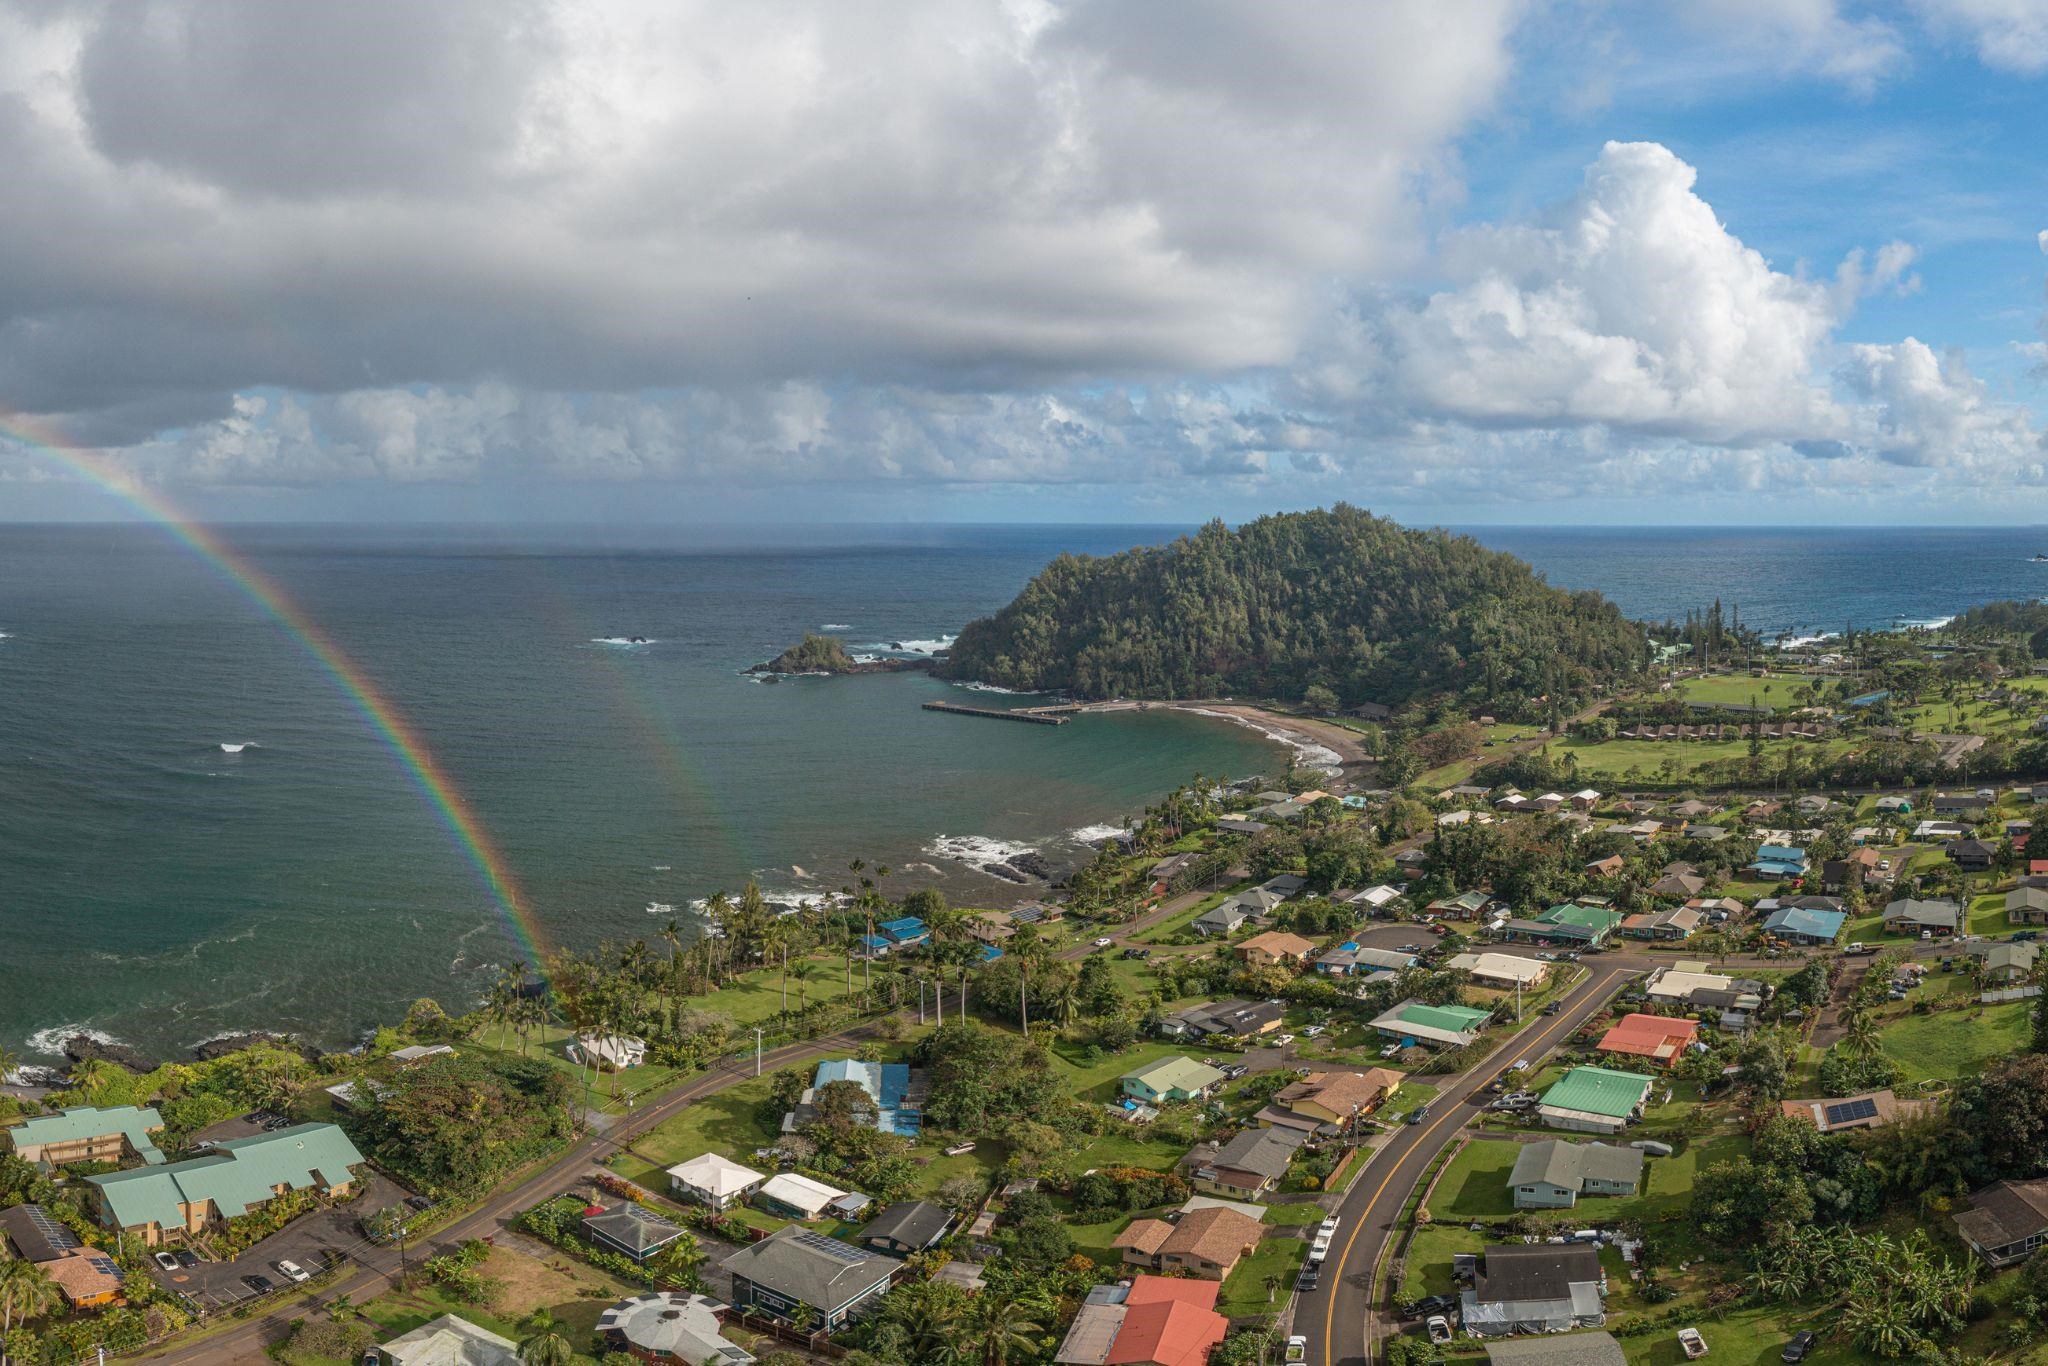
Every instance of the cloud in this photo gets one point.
(1930, 411)
(2009, 35)
(1807, 36)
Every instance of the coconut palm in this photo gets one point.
(1003, 1328)
(26, 1291)
(544, 1343)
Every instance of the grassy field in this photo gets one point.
(1476, 1185)
(1166, 929)
(1245, 1292)
(1427, 1270)
(1946, 1044)
(597, 1088)
(1649, 758)
(1739, 690)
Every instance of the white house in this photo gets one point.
(609, 1052)
(713, 1180)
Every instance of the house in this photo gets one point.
(1535, 1288)
(1348, 958)
(1205, 1243)
(1225, 1020)
(1375, 899)
(1594, 1100)
(1573, 924)
(713, 1181)
(1328, 1103)
(1677, 922)
(1708, 834)
(1779, 861)
(1162, 873)
(1867, 1111)
(1813, 805)
(1693, 809)
(1175, 1078)
(1286, 885)
(1575, 1349)
(907, 1226)
(1718, 908)
(1659, 1038)
(905, 932)
(1505, 971)
(1908, 915)
(2027, 906)
(1585, 799)
(412, 1055)
(795, 1196)
(630, 1230)
(1969, 806)
(450, 1340)
(1691, 984)
(86, 1277)
(666, 1325)
(1276, 948)
(1971, 855)
(795, 1267)
(87, 1133)
(1413, 1022)
(1642, 831)
(990, 927)
(1895, 806)
(1553, 1174)
(1610, 866)
(1463, 906)
(896, 1090)
(237, 1176)
(1240, 825)
(2006, 1221)
(1373, 711)
(1222, 919)
(1245, 1167)
(1799, 926)
(608, 1052)
(1679, 886)
(1154, 1321)
(1940, 830)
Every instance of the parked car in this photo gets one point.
(292, 1271)
(1297, 1348)
(2026, 936)
(1328, 1227)
(1311, 1276)
(262, 1285)
(1439, 1328)
(168, 1261)
(1691, 1343)
(1552, 1007)
(1314, 1031)
(1418, 1114)
(419, 1203)
(1651, 1147)
(1283, 1041)
(1798, 1347)
(1233, 1070)
(1103, 941)
(1390, 1050)
(186, 1257)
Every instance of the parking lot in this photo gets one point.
(310, 1242)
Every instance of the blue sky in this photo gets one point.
(1469, 261)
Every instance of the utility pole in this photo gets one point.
(867, 957)
(920, 1000)
(757, 1050)
(1024, 997)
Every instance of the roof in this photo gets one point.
(84, 1273)
(1279, 943)
(1262, 1152)
(1557, 1349)
(2027, 899)
(1649, 1036)
(1853, 1112)
(1167, 1331)
(2005, 1212)
(132, 1122)
(799, 1192)
(1559, 1163)
(675, 1323)
(1217, 1235)
(36, 1233)
(420, 1052)
(819, 1271)
(716, 1175)
(1507, 966)
(1583, 917)
(1941, 913)
(1341, 1092)
(628, 1225)
(1598, 1091)
(1535, 1271)
(239, 1174)
(1800, 921)
(1441, 1019)
(451, 1341)
(1177, 1073)
(915, 1223)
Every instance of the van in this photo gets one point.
(1650, 1147)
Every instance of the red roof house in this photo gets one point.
(1168, 1322)
(1650, 1036)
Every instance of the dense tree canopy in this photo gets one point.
(1339, 600)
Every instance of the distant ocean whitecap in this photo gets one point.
(236, 747)
(836, 626)
(624, 642)
(1095, 834)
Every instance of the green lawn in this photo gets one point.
(1406, 1097)
(632, 1086)
(1427, 1269)
(1294, 1214)
(1166, 930)
(1098, 1080)
(1740, 690)
(1245, 1292)
(1946, 1044)
(1475, 1185)
(1987, 916)
(1613, 758)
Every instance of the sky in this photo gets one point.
(1461, 261)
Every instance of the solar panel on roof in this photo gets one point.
(831, 1247)
(104, 1265)
(59, 1236)
(1851, 1110)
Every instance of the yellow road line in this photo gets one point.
(1365, 1215)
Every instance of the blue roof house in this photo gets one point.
(906, 931)
(1779, 860)
(1801, 926)
(874, 946)
(897, 1091)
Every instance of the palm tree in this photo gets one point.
(678, 1263)
(1002, 1326)
(9, 1061)
(544, 1343)
(26, 1291)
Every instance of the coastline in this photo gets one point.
(1316, 744)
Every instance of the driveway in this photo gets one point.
(310, 1241)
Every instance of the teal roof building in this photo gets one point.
(54, 1138)
(236, 1177)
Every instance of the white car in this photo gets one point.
(292, 1271)
(1103, 942)
(1328, 1228)
(167, 1261)
(1314, 1031)
(1439, 1328)
(1297, 1348)
(1283, 1041)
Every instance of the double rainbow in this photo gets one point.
(385, 719)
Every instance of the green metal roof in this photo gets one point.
(1598, 1091)
(132, 1122)
(1585, 917)
(239, 1173)
(1180, 1073)
(1457, 1019)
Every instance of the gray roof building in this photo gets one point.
(1575, 1349)
(907, 1226)
(794, 1266)
(630, 1230)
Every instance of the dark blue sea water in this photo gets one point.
(160, 890)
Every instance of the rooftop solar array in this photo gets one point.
(831, 1247)
(59, 1236)
(1850, 1111)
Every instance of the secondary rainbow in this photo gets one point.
(384, 717)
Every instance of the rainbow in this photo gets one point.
(384, 717)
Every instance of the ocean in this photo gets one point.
(160, 887)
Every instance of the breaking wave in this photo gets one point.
(1309, 754)
(835, 626)
(1095, 834)
(50, 1042)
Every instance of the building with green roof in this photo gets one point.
(1595, 1100)
(1573, 923)
(1446, 1026)
(1175, 1078)
(86, 1133)
(239, 1175)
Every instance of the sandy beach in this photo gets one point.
(1317, 744)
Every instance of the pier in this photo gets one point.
(1037, 716)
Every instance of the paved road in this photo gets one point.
(1339, 1318)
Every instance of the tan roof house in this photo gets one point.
(1276, 947)
(1205, 1243)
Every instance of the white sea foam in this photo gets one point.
(1308, 754)
(835, 626)
(1006, 692)
(1926, 624)
(1094, 834)
(51, 1041)
(238, 747)
(980, 852)
(914, 647)
(1796, 642)
(660, 908)
(661, 867)
(626, 641)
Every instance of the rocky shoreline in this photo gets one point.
(824, 656)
